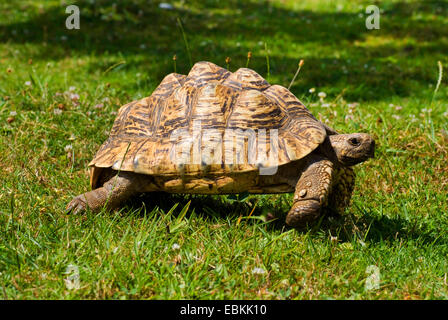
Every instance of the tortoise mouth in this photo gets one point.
(360, 156)
(349, 161)
(372, 150)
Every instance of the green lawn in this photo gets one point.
(59, 93)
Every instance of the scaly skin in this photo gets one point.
(342, 189)
(311, 192)
(114, 191)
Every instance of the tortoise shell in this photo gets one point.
(150, 135)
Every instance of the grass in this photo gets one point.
(59, 93)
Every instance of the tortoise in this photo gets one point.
(218, 132)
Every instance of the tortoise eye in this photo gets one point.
(354, 142)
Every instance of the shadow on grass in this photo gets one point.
(207, 207)
(368, 227)
(398, 59)
(374, 229)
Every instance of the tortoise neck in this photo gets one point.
(327, 150)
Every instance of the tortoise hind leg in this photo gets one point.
(311, 191)
(113, 192)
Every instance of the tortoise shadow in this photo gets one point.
(368, 226)
(208, 207)
(373, 229)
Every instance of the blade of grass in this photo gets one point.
(114, 66)
(174, 63)
(439, 80)
(267, 61)
(185, 41)
(297, 73)
(179, 221)
(249, 56)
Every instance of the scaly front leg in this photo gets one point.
(341, 191)
(311, 192)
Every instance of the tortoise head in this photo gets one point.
(353, 148)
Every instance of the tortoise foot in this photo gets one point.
(77, 206)
(303, 212)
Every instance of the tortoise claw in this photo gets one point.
(302, 213)
(76, 206)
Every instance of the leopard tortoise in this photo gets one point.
(218, 132)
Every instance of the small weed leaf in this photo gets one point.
(180, 222)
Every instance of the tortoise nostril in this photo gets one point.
(354, 141)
